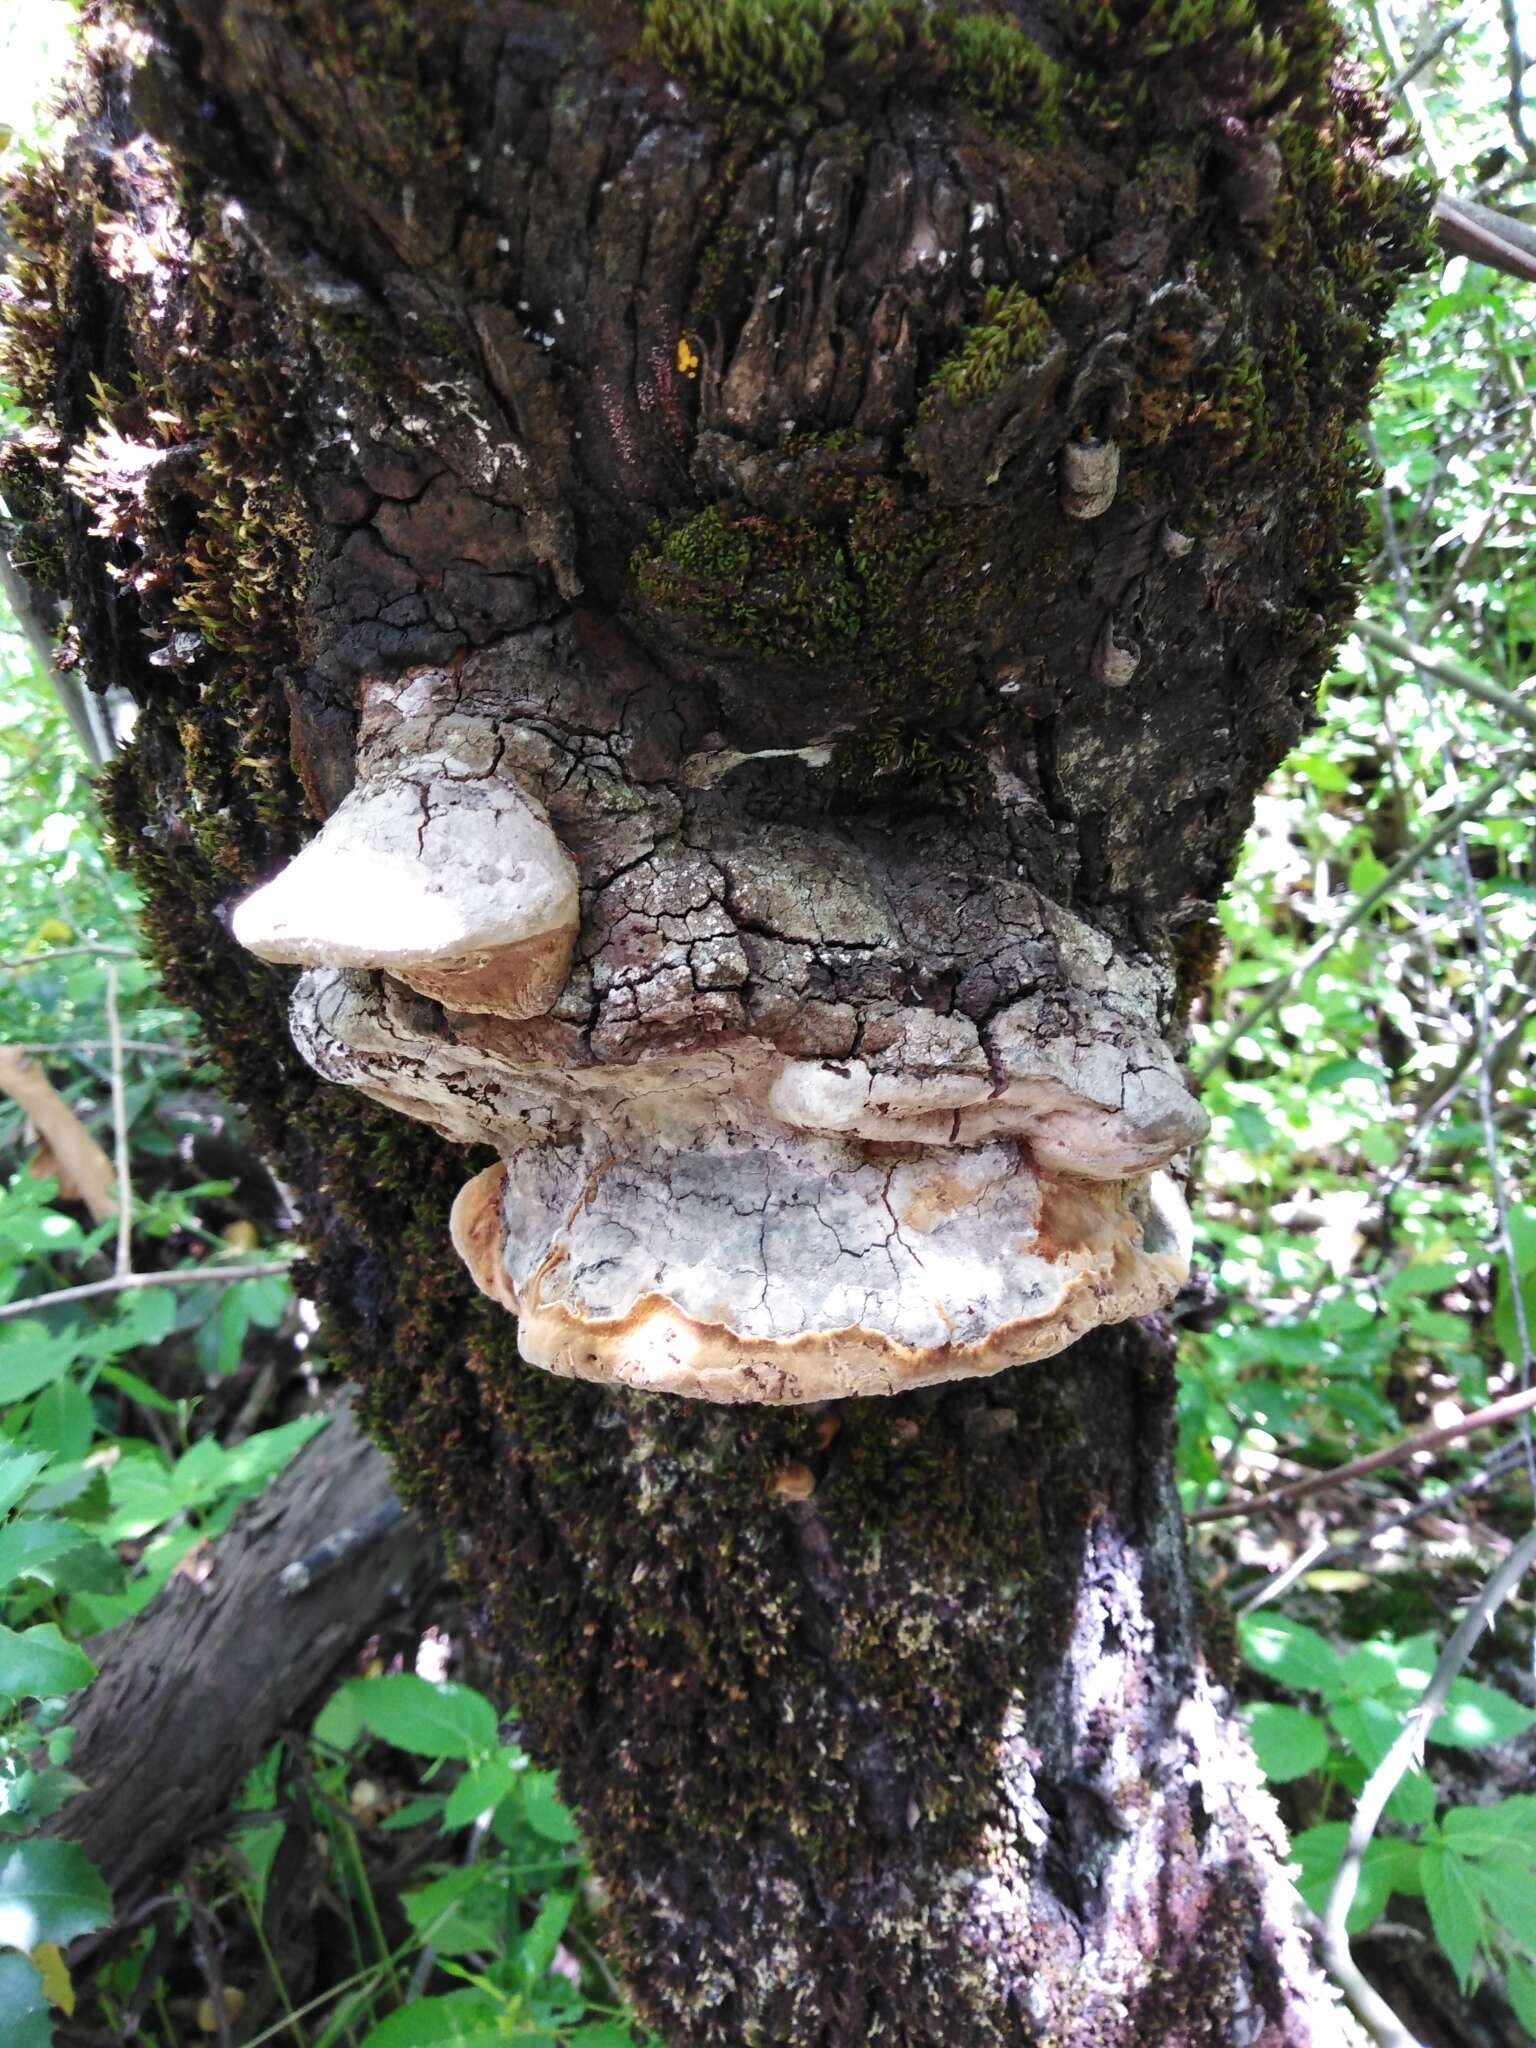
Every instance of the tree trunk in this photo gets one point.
(862, 494)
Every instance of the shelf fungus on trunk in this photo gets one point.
(742, 1157)
(437, 867)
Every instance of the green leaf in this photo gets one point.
(1389, 1865)
(1485, 1830)
(1455, 1911)
(19, 1470)
(536, 1949)
(605, 2034)
(1288, 1742)
(1520, 1983)
(32, 1357)
(428, 1720)
(24, 2014)
(262, 1456)
(1476, 1715)
(438, 2022)
(62, 1421)
(543, 1811)
(33, 1541)
(1292, 1653)
(39, 1663)
(459, 1913)
(1377, 1666)
(138, 1389)
(49, 1891)
(481, 1788)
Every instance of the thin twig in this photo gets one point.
(196, 1276)
(102, 952)
(1445, 668)
(1424, 55)
(123, 1263)
(72, 1048)
(1278, 989)
(1508, 1410)
(1370, 2007)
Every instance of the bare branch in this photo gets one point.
(1482, 234)
(1445, 668)
(1508, 1410)
(196, 1276)
(103, 951)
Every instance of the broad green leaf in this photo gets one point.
(429, 1720)
(19, 1470)
(256, 1848)
(1478, 1714)
(33, 1541)
(38, 1663)
(24, 2017)
(62, 1421)
(459, 1913)
(483, 1786)
(1378, 1665)
(1287, 1741)
(1520, 1983)
(1507, 1886)
(32, 1357)
(438, 2022)
(339, 1722)
(536, 1949)
(1455, 1911)
(543, 1811)
(1485, 1830)
(49, 1891)
(605, 2034)
(262, 1456)
(1292, 1653)
(138, 1389)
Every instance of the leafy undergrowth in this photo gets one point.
(1368, 1232)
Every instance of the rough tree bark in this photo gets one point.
(883, 476)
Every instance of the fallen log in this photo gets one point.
(195, 1689)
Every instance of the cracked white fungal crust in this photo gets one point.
(733, 1164)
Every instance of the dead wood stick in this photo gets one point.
(193, 1691)
(84, 1171)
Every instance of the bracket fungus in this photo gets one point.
(738, 1160)
(437, 867)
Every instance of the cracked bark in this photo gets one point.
(884, 544)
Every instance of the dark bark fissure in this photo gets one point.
(685, 427)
